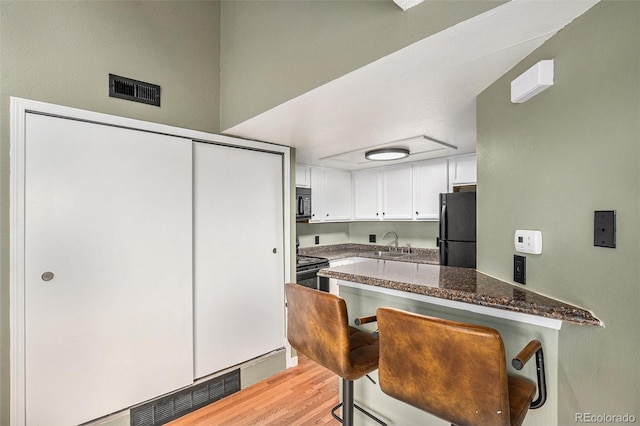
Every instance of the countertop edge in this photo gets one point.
(565, 313)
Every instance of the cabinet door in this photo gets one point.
(397, 193)
(238, 256)
(337, 195)
(366, 195)
(462, 170)
(430, 179)
(108, 275)
(303, 176)
(317, 195)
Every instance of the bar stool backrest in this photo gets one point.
(318, 326)
(453, 370)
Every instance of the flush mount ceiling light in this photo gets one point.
(384, 154)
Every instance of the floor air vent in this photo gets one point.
(184, 401)
(134, 90)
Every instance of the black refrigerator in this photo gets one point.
(457, 239)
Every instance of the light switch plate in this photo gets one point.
(528, 241)
(604, 228)
(520, 269)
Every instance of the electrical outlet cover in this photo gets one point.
(604, 228)
(519, 269)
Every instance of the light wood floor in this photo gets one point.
(303, 395)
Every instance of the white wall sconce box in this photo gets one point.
(407, 4)
(533, 81)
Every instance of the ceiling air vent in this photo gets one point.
(134, 90)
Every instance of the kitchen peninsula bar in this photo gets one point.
(446, 285)
(459, 294)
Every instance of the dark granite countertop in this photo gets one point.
(343, 251)
(458, 284)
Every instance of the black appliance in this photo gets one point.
(457, 239)
(306, 272)
(303, 204)
(307, 268)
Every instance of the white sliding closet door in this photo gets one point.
(238, 256)
(108, 248)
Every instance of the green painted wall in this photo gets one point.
(273, 51)
(418, 234)
(62, 52)
(548, 164)
(329, 233)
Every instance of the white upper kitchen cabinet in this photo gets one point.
(430, 178)
(303, 176)
(397, 195)
(383, 193)
(367, 203)
(330, 195)
(462, 171)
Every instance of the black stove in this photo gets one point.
(306, 262)
(306, 272)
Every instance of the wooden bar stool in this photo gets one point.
(455, 371)
(318, 327)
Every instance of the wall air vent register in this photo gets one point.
(133, 90)
(170, 407)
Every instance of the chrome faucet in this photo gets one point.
(395, 237)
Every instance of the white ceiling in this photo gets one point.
(428, 88)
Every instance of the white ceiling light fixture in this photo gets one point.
(386, 154)
(417, 147)
(533, 81)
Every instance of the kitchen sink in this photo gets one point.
(387, 253)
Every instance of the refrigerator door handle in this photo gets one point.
(443, 222)
(444, 258)
(443, 229)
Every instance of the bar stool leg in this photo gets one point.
(347, 402)
(348, 405)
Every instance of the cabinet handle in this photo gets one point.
(47, 276)
(275, 250)
(377, 214)
(327, 214)
(417, 213)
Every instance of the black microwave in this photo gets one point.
(303, 204)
